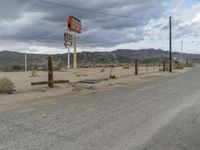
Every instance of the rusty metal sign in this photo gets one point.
(74, 24)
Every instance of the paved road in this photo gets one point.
(162, 114)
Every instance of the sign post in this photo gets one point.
(75, 54)
(74, 25)
(68, 38)
(68, 58)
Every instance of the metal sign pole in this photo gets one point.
(68, 42)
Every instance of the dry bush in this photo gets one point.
(34, 74)
(6, 86)
(178, 67)
(112, 77)
(102, 70)
(126, 67)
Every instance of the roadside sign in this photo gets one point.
(68, 39)
(74, 24)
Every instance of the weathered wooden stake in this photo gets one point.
(46, 82)
(146, 68)
(111, 70)
(164, 66)
(136, 67)
(159, 66)
(187, 64)
(50, 72)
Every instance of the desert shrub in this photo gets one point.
(102, 70)
(178, 67)
(126, 67)
(16, 67)
(6, 86)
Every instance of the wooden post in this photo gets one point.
(75, 53)
(187, 64)
(111, 70)
(50, 72)
(159, 66)
(164, 66)
(136, 67)
(146, 68)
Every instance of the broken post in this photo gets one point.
(50, 72)
(45, 82)
(136, 67)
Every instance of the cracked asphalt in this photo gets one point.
(162, 114)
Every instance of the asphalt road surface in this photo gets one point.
(162, 114)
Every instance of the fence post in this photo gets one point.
(136, 67)
(164, 66)
(187, 64)
(147, 69)
(50, 72)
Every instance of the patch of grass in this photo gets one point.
(6, 86)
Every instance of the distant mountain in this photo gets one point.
(10, 60)
(152, 53)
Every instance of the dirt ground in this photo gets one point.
(27, 94)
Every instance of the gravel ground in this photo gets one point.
(154, 115)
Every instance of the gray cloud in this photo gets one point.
(37, 22)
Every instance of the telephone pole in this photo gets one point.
(170, 44)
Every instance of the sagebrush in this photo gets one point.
(6, 86)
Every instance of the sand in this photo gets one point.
(27, 95)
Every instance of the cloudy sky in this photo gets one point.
(38, 26)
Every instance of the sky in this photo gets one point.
(37, 26)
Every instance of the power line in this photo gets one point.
(90, 11)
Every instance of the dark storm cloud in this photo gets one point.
(32, 20)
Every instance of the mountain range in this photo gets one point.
(15, 60)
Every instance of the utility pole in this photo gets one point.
(170, 44)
